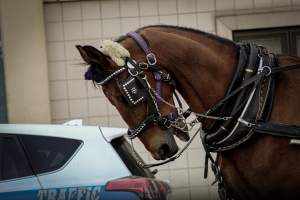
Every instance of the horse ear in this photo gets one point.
(92, 55)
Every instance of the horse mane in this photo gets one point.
(191, 30)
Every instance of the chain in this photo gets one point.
(140, 163)
(191, 112)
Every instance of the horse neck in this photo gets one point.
(202, 66)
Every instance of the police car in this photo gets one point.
(59, 162)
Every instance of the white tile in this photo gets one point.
(57, 71)
(129, 24)
(111, 28)
(145, 157)
(169, 20)
(196, 177)
(93, 91)
(54, 31)
(129, 8)
(78, 108)
(148, 7)
(296, 2)
(188, 20)
(281, 3)
(73, 30)
(196, 144)
(59, 110)
(117, 121)
(139, 146)
(179, 178)
(196, 157)
(93, 42)
(55, 51)
(53, 12)
(262, 3)
(214, 195)
(167, 7)
(206, 21)
(163, 175)
(77, 89)
(200, 193)
(58, 90)
(71, 52)
(205, 5)
(163, 167)
(71, 11)
(180, 163)
(90, 9)
(92, 29)
(180, 194)
(145, 21)
(186, 6)
(97, 107)
(112, 110)
(98, 121)
(75, 70)
(110, 9)
(180, 143)
(224, 5)
(59, 121)
(244, 4)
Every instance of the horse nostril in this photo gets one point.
(164, 151)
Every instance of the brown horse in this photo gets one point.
(203, 66)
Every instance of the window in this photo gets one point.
(277, 40)
(48, 153)
(13, 163)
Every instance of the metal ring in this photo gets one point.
(136, 72)
(268, 68)
(143, 66)
(149, 57)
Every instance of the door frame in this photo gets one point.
(3, 103)
(225, 25)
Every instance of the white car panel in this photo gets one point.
(110, 134)
(20, 184)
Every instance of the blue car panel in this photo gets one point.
(73, 193)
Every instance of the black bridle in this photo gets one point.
(136, 89)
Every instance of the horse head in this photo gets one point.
(111, 66)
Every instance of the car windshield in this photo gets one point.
(124, 150)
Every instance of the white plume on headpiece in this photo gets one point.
(115, 51)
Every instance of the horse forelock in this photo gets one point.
(115, 51)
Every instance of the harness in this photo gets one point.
(252, 87)
(243, 111)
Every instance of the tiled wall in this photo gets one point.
(89, 22)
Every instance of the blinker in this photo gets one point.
(132, 90)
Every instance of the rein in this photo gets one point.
(242, 109)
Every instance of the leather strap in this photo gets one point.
(277, 129)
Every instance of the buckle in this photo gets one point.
(133, 72)
(163, 121)
(165, 76)
(151, 59)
